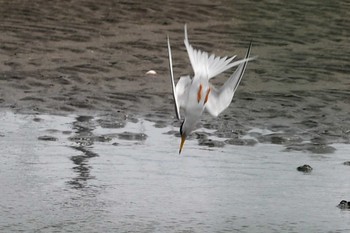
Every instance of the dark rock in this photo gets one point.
(47, 138)
(172, 132)
(279, 138)
(112, 125)
(132, 136)
(305, 168)
(319, 140)
(66, 132)
(103, 138)
(160, 124)
(211, 143)
(311, 147)
(37, 119)
(241, 142)
(321, 149)
(201, 135)
(344, 205)
(347, 163)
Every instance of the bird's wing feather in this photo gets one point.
(220, 99)
(181, 90)
(177, 107)
(209, 66)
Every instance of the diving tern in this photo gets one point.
(194, 95)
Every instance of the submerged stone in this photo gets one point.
(305, 168)
(344, 205)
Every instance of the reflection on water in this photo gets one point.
(83, 139)
(98, 178)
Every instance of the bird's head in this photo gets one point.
(185, 130)
(183, 136)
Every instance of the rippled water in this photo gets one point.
(96, 174)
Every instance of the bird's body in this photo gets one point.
(196, 97)
(197, 94)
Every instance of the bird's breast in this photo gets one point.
(198, 96)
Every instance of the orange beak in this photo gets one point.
(183, 139)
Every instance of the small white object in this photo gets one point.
(151, 72)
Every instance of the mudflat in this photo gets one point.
(91, 57)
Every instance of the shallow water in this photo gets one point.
(89, 176)
(112, 173)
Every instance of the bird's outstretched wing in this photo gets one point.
(209, 66)
(220, 99)
(176, 102)
(181, 90)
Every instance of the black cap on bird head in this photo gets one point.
(183, 137)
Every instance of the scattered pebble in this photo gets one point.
(305, 168)
(37, 119)
(151, 72)
(344, 205)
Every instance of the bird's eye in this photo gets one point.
(181, 127)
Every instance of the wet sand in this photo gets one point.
(90, 58)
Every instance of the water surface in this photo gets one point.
(84, 177)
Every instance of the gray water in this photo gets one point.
(87, 176)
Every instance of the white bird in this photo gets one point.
(196, 94)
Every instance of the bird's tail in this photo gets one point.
(241, 68)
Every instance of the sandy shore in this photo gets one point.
(90, 58)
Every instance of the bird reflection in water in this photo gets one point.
(84, 140)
